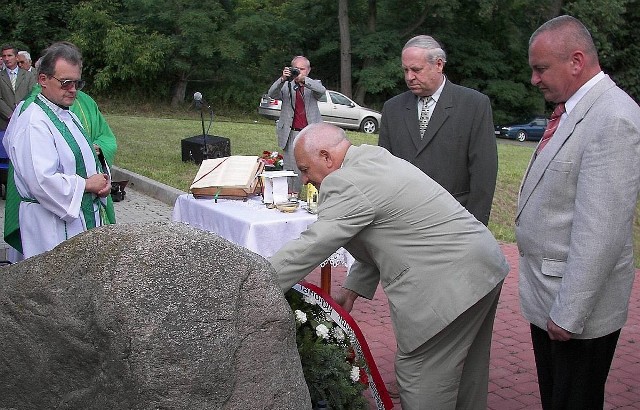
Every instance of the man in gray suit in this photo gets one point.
(441, 269)
(15, 84)
(458, 147)
(299, 95)
(575, 216)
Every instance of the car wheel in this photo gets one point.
(521, 135)
(369, 125)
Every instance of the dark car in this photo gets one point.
(529, 130)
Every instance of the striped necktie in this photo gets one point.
(554, 121)
(12, 76)
(425, 114)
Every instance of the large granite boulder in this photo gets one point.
(147, 316)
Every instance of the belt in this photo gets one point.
(296, 129)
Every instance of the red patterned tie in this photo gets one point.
(551, 126)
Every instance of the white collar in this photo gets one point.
(571, 103)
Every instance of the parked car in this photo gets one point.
(335, 108)
(529, 130)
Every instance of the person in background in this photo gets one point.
(24, 61)
(15, 84)
(60, 181)
(299, 95)
(575, 216)
(441, 269)
(444, 129)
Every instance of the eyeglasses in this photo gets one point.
(68, 84)
(22, 62)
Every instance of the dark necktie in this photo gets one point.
(425, 114)
(551, 126)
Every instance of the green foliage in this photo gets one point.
(326, 361)
(231, 51)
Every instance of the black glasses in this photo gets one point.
(67, 84)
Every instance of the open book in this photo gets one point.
(236, 175)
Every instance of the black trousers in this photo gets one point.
(572, 374)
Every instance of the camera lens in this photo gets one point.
(294, 73)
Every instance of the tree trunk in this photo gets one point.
(179, 92)
(345, 48)
(555, 8)
(361, 90)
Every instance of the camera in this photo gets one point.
(294, 73)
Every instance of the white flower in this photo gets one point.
(322, 331)
(274, 154)
(355, 373)
(301, 316)
(338, 334)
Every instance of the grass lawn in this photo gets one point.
(151, 147)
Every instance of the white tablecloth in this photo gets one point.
(249, 224)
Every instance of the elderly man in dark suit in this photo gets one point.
(444, 129)
(575, 217)
(299, 95)
(441, 269)
(15, 84)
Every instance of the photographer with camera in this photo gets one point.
(299, 95)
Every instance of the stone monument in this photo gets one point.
(147, 316)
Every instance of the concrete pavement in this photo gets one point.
(513, 381)
(145, 200)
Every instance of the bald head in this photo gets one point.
(562, 58)
(568, 34)
(319, 150)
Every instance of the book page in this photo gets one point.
(234, 171)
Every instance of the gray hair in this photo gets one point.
(433, 49)
(56, 51)
(25, 54)
(303, 58)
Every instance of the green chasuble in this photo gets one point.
(97, 131)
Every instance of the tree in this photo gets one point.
(345, 47)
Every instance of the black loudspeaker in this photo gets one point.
(198, 148)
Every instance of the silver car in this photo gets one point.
(335, 108)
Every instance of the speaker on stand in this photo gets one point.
(199, 148)
(205, 146)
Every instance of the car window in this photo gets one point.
(339, 99)
(323, 98)
(539, 121)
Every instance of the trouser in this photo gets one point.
(451, 370)
(572, 374)
(290, 163)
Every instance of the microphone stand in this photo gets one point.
(207, 152)
(204, 135)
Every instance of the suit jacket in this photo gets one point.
(432, 257)
(284, 91)
(459, 146)
(10, 99)
(575, 215)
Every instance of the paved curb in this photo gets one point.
(147, 186)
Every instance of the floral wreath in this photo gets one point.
(337, 364)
